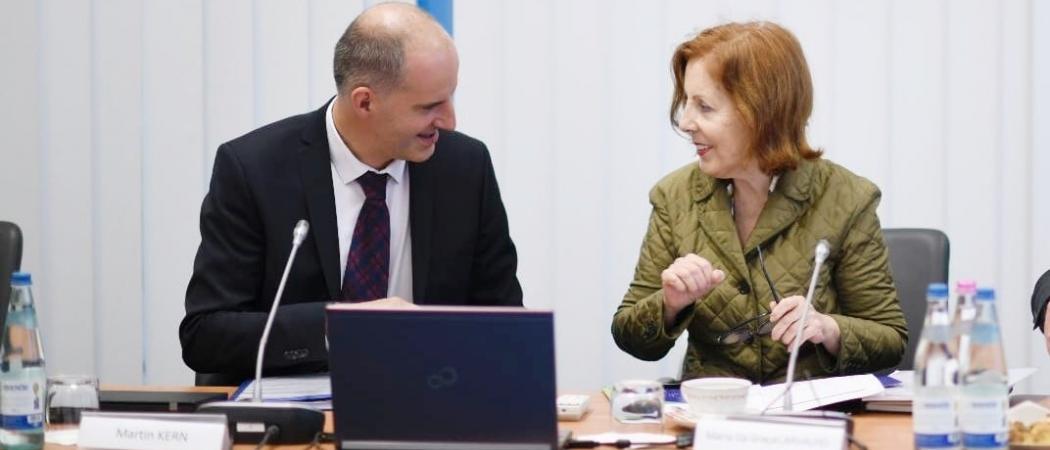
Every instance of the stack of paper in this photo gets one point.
(811, 394)
(314, 390)
(898, 398)
(893, 399)
(805, 395)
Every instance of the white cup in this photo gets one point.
(716, 395)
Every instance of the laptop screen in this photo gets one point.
(442, 377)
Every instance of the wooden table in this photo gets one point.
(875, 430)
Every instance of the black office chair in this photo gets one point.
(10, 261)
(918, 257)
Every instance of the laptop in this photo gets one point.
(442, 378)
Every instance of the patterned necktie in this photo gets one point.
(368, 264)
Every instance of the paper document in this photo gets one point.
(62, 437)
(898, 399)
(313, 389)
(811, 394)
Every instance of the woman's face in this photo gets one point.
(718, 131)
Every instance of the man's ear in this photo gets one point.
(362, 100)
(1046, 322)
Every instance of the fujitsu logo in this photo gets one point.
(445, 377)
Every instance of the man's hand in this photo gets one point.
(687, 279)
(385, 303)
(820, 329)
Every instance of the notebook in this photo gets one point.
(442, 378)
(898, 398)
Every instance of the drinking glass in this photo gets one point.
(70, 395)
(638, 401)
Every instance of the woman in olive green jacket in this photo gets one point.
(729, 250)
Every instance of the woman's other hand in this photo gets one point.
(820, 328)
(688, 279)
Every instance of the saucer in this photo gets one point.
(679, 414)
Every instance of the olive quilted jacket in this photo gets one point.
(818, 200)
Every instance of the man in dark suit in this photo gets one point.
(1040, 297)
(399, 205)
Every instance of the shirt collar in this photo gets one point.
(772, 185)
(794, 184)
(347, 166)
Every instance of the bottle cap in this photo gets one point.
(966, 286)
(21, 279)
(937, 290)
(986, 294)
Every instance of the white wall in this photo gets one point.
(112, 110)
(932, 100)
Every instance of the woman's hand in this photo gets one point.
(687, 279)
(820, 328)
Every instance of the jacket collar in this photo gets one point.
(785, 204)
(794, 184)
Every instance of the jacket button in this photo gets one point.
(743, 288)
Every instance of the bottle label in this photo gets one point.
(22, 404)
(934, 421)
(984, 333)
(923, 441)
(983, 420)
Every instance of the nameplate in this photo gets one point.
(153, 431)
(765, 432)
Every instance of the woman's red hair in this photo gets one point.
(761, 67)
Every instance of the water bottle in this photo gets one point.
(962, 320)
(983, 397)
(933, 403)
(22, 380)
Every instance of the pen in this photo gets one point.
(683, 440)
(622, 443)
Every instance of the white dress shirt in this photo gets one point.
(350, 197)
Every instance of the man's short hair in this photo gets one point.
(760, 65)
(368, 57)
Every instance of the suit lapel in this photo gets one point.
(420, 217)
(316, 172)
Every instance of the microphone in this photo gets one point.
(820, 253)
(255, 421)
(298, 235)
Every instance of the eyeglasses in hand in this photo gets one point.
(759, 325)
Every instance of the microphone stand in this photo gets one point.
(255, 421)
(298, 235)
(820, 254)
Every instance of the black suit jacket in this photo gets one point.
(1040, 295)
(264, 182)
